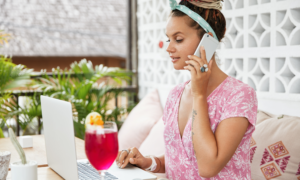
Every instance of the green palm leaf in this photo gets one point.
(12, 75)
(83, 90)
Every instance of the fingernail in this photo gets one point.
(189, 56)
(202, 47)
(130, 159)
(186, 61)
(119, 164)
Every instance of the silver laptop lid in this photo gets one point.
(59, 137)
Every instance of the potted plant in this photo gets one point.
(23, 169)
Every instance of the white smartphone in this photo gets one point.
(210, 45)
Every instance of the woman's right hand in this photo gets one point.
(134, 157)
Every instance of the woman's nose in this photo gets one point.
(170, 48)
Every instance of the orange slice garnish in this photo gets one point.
(94, 119)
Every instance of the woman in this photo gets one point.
(209, 119)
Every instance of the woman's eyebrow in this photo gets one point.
(175, 33)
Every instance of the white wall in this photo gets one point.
(261, 48)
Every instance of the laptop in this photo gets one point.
(61, 150)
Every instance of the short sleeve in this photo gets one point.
(242, 103)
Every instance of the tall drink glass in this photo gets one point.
(101, 146)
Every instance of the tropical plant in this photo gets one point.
(82, 87)
(12, 76)
(29, 112)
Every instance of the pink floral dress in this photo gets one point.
(232, 98)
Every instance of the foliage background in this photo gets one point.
(89, 88)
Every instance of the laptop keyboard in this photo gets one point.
(87, 172)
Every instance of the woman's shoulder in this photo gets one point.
(235, 91)
(239, 101)
(234, 86)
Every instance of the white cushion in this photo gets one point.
(140, 121)
(154, 143)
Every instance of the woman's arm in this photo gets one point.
(160, 161)
(213, 151)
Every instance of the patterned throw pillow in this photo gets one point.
(275, 149)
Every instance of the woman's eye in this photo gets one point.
(179, 40)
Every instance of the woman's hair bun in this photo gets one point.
(207, 4)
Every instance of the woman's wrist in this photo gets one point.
(158, 162)
(148, 163)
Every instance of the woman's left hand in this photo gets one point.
(199, 79)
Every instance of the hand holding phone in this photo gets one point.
(210, 45)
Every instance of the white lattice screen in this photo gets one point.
(261, 48)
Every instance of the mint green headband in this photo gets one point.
(196, 17)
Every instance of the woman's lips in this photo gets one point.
(175, 59)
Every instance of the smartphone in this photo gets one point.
(210, 45)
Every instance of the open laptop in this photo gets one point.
(61, 150)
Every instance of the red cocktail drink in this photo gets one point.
(101, 147)
(101, 142)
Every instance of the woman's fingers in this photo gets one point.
(194, 63)
(194, 57)
(122, 157)
(134, 161)
(210, 64)
(133, 152)
(203, 54)
(192, 70)
(117, 159)
(126, 160)
(200, 61)
(134, 157)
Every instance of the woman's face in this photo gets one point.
(183, 40)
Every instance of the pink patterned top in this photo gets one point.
(232, 98)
